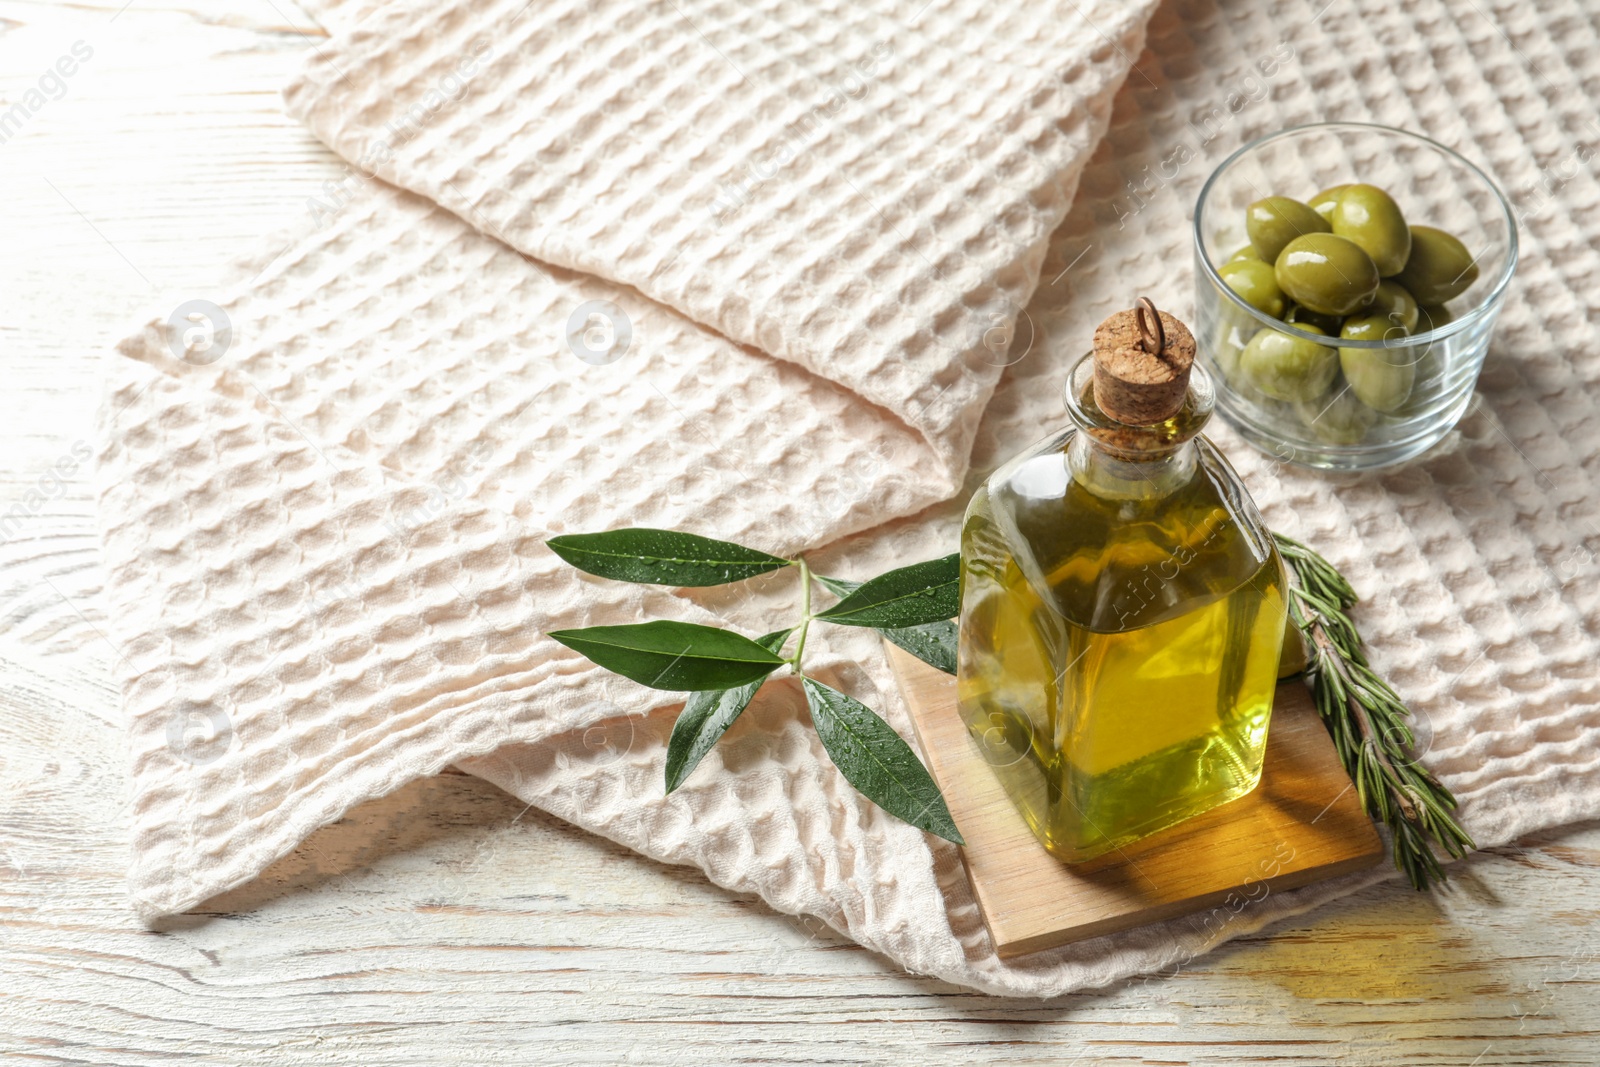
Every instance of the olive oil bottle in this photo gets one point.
(1122, 606)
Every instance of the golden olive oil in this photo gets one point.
(1122, 617)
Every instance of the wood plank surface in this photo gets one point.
(1303, 822)
(445, 924)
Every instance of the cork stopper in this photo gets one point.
(1141, 365)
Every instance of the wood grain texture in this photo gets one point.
(1302, 823)
(445, 924)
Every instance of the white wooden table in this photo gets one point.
(444, 924)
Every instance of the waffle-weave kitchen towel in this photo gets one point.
(757, 270)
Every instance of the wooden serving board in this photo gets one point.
(1302, 823)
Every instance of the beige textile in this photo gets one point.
(776, 272)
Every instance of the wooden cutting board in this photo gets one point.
(1301, 824)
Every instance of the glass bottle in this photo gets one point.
(1122, 605)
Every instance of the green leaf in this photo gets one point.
(910, 596)
(874, 759)
(662, 557)
(673, 655)
(839, 587)
(706, 717)
(933, 643)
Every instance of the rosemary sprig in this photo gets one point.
(1368, 721)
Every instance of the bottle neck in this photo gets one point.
(1112, 474)
(1116, 461)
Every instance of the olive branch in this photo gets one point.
(1367, 721)
(721, 670)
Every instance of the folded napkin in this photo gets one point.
(773, 272)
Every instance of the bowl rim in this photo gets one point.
(1483, 309)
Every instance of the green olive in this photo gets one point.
(1324, 201)
(1277, 220)
(1431, 318)
(1381, 378)
(1327, 273)
(1235, 326)
(1302, 317)
(1288, 368)
(1393, 303)
(1231, 331)
(1337, 417)
(1256, 285)
(1366, 327)
(1368, 216)
(1247, 252)
(1425, 390)
(1225, 362)
(1440, 267)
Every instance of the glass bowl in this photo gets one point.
(1433, 186)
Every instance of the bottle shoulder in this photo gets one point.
(1112, 564)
